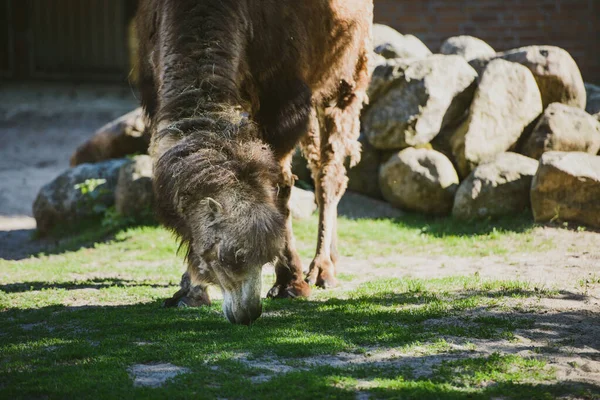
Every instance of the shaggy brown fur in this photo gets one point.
(231, 87)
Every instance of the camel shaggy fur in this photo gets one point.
(231, 87)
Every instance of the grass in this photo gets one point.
(73, 322)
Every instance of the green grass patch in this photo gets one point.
(72, 322)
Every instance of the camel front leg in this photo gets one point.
(288, 267)
(191, 292)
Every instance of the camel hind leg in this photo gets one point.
(340, 128)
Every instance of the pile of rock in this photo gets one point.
(461, 132)
(88, 191)
(469, 132)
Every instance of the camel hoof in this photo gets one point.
(291, 291)
(170, 303)
(187, 301)
(322, 274)
(328, 282)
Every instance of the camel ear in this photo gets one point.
(214, 205)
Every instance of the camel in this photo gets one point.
(230, 88)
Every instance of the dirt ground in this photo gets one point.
(40, 126)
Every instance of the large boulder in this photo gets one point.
(468, 47)
(496, 189)
(505, 103)
(426, 96)
(120, 138)
(390, 43)
(563, 128)
(593, 98)
(134, 196)
(387, 74)
(302, 203)
(567, 188)
(356, 206)
(363, 178)
(79, 193)
(555, 71)
(419, 180)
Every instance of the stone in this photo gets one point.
(363, 178)
(468, 47)
(593, 99)
(443, 140)
(386, 74)
(120, 138)
(134, 196)
(154, 375)
(419, 180)
(556, 72)
(79, 193)
(302, 203)
(356, 206)
(567, 188)
(479, 64)
(390, 43)
(563, 128)
(495, 189)
(506, 102)
(426, 96)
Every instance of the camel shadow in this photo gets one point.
(303, 339)
(95, 283)
(22, 244)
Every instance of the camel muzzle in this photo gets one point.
(243, 305)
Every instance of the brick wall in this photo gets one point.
(505, 24)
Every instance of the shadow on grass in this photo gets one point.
(440, 227)
(27, 243)
(92, 347)
(96, 283)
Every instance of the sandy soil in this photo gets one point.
(40, 126)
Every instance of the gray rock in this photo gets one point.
(426, 96)
(555, 71)
(122, 137)
(479, 64)
(364, 177)
(390, 43)
(134, 196)
(563, 128)
(154, 375)
(356, 206)
(302, 203)
(593, 99)
(79, 193)
(387, 74)
(496, 189)
(567, 188)
(505, 103)
(419, 180)
(468, 47)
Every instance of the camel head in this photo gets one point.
(238, 236)
(228, 199)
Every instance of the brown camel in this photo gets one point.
(231, 87)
